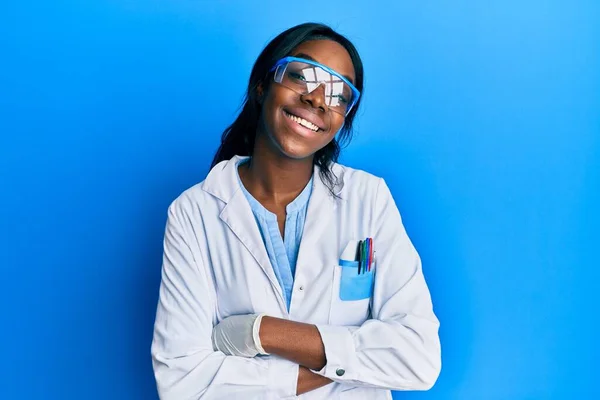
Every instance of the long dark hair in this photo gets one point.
(238, 138)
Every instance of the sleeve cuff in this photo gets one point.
(283, 377)
(342, 364)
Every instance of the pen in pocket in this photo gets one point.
(364, 255)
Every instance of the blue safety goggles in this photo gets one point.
(304, 76)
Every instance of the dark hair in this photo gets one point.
(238, 138)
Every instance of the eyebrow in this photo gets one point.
(307, 57)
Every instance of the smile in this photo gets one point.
(302, 121)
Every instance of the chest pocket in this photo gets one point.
(352, 292)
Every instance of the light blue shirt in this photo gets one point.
(283, 253)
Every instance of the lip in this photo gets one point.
(307, 115)
(299, 129)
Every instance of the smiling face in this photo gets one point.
(297, 126)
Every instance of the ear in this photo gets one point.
(260, 91)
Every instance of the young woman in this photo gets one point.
(285, 273)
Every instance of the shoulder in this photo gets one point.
(217, 188)
(356, 182)
(187, 202)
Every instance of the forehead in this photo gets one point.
(329, 53)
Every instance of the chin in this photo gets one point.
(296, 153)
(293, 148)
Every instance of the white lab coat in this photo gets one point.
(215, 265)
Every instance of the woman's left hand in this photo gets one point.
(238, 335)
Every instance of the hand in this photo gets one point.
(238, 335)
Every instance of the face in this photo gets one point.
(284, 110)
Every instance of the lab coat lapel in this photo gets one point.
(238, 216)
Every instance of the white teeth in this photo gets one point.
(303, 122)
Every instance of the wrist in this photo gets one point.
(256, 328)
(265, 334)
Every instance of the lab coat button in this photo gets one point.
(340, 371)
(301, 288)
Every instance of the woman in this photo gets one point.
(268, 288)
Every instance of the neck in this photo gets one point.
(275, 178)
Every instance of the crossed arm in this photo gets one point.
(297, 342)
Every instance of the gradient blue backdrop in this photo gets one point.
(484, 118)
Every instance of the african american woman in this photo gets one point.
(285, 273)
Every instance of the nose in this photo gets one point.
(316, 98)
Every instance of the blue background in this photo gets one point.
(484, 118)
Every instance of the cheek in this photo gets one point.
(271, 106)
(337, 122)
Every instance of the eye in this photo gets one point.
(296, 76)
(342, 98)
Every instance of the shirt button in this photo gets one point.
(301, 288)
(340, 371)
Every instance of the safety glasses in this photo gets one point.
(304, 76)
